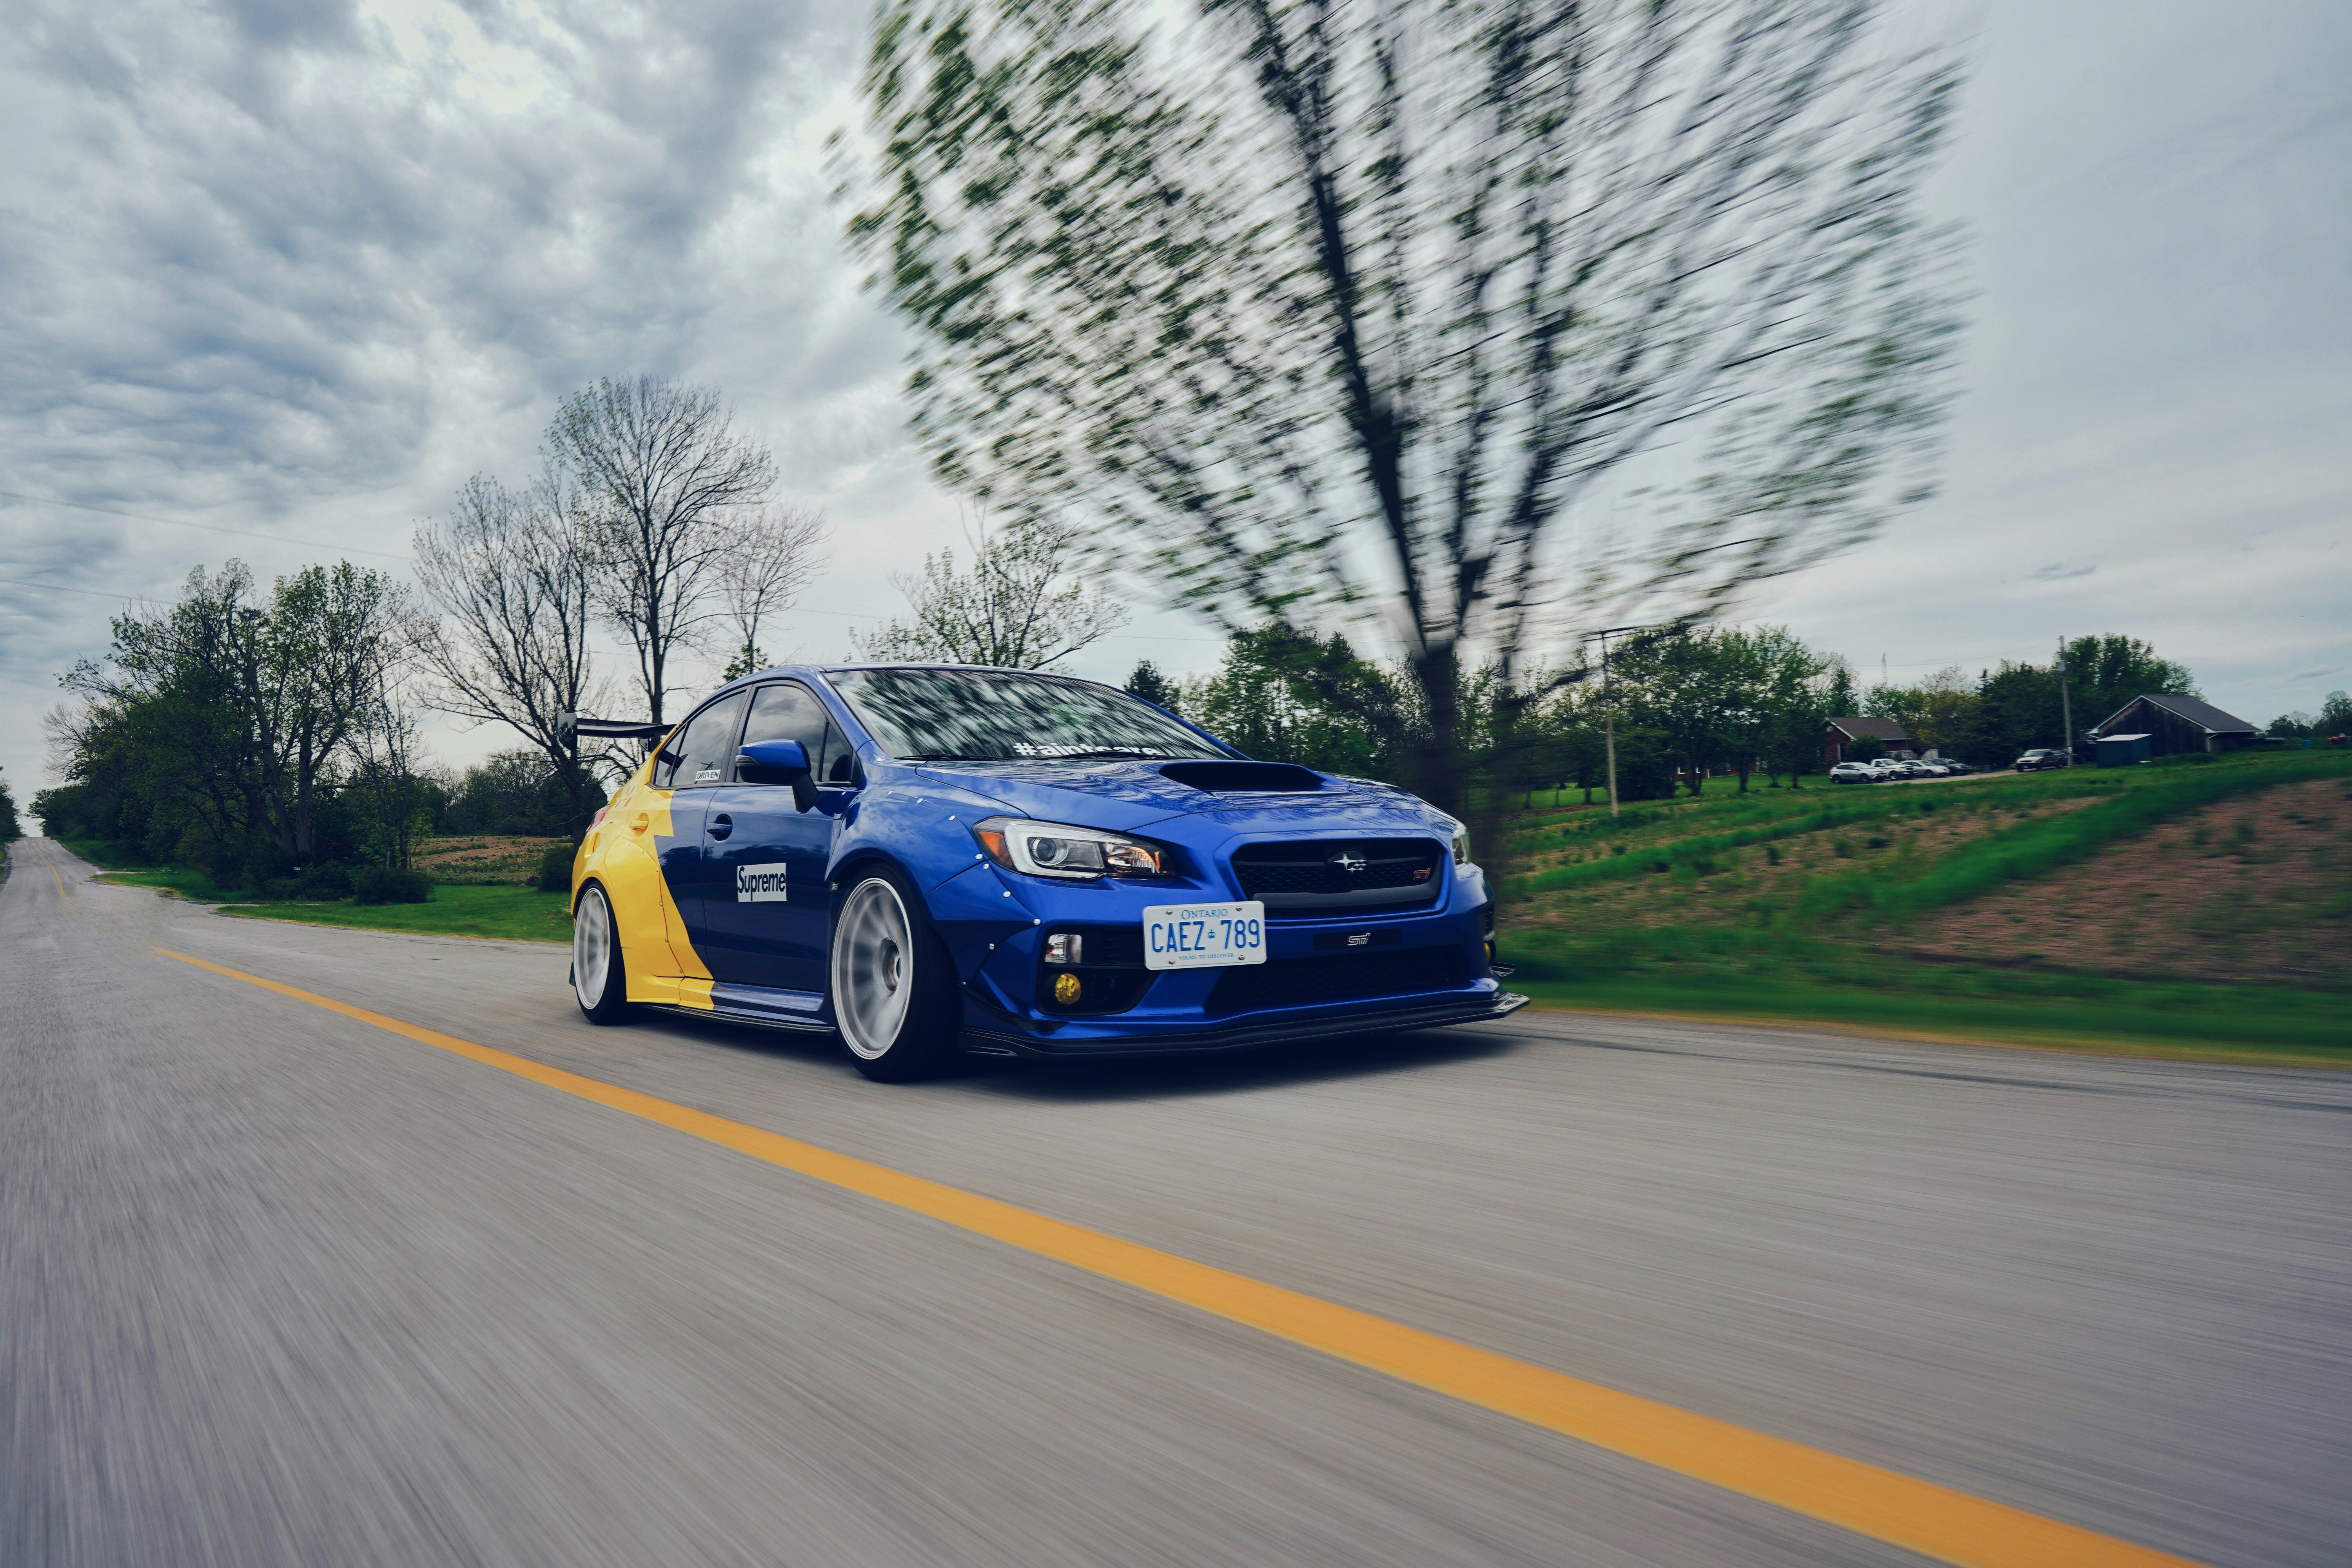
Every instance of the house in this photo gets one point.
(1843, 732)
(2178, 725)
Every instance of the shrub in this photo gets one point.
(326, 882)
(282, 889)
(261, 863)
(555, 869)
(383, 885)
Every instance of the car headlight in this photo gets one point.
(1057, 849)
(1461, 845)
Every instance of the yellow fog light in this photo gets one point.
(1066, 989)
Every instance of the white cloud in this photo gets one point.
(298, 268)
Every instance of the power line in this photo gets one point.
(207, 527)
(61, 588)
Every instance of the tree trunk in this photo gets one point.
(1440, 774)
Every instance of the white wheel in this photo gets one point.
(596, 977)
(873, 969)
(893, 990)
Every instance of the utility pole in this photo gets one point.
(2065, 701)
(1609, 726)
(1609, 704)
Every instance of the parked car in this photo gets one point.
(1853, 773)
(1956, 768)
(2038, 758)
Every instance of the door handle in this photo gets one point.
(721, 825)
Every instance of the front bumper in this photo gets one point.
(989, 1031)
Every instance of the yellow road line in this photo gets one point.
(52, 865)
(1919, 1516)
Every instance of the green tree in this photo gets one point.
(1694, 689)
(1328, 307)
(232, 713)
(2106, 672)
(9, 827)
(513, 792)
(1283, 695)
(1146, 681)
(1776, 720)
(2103, 673)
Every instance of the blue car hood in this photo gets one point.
(1126, 798)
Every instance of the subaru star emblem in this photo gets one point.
(1352, 864)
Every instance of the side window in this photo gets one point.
(705, 752)
(789, 712)
(840, 761)
(792, 712)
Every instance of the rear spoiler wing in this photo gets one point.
(572, 727)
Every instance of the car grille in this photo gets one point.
(1338, 876)
(1341, 977)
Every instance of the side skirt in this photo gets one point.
(757, 1020)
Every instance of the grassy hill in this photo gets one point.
(2196, 901)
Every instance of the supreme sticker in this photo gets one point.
(760, 884)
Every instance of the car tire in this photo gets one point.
(599, 983)
(894, 1003)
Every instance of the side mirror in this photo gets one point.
(779, 763)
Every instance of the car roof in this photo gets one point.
(804, 671)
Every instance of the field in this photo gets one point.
(482, 859)
(2195, 903)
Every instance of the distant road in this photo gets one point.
(281, 1285)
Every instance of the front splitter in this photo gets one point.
(982, 1040)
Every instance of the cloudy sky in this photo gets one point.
(276, 277)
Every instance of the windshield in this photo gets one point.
(989, 715)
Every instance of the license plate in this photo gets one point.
(1203, 936)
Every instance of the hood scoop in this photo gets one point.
(1244, 778)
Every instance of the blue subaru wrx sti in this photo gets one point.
(935, 858)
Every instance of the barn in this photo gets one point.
(2176, 725)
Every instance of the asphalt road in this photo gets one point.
(280, 1287)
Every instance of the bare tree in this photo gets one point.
(661, 473)
(510, 577)
(777, 552)
(384, 752)
(1339, 307)
(1016, 609)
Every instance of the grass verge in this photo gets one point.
(2255, 1025)
(512, 914)
(515, 914)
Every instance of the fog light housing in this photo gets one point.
(1066, 989)
(1066, 947)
